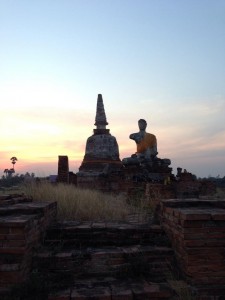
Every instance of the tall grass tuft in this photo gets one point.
(80, 204)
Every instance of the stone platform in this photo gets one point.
(197, 231)
(107, 260)
(22, 225)
(103, 260)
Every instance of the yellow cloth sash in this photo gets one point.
(148, 141)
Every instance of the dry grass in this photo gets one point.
(220, 193)
(180, 286)
(182, 289)
(10, 190)
(79, 204)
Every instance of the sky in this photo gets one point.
(159, 60)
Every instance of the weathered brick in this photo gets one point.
(215, 243)
(61, 295)
(4, 230)
(192, 224)
(218, 214)
(16, 243)
(121, 292)
(194, 215)
(194, 243)
(193, 236)
(92, 293)
(9, 267)
(16, 231)
(216, 235)
(12, 250)
(12, 277)
(149, 291)
(199, 241)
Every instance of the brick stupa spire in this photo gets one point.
(100, 118)
(102, 151)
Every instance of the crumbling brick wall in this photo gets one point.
(63, 169)
(22, 225)
(197, 231)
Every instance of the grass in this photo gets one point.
(10, 190)
(178, 284)
(82, 204)
(182, 289)
(220, 193)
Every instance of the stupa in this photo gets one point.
(101, 157)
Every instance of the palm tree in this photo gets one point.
(14, 160)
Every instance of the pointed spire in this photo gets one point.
(100, 118)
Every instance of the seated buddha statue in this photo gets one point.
(146, 146)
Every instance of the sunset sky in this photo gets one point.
(161, 60)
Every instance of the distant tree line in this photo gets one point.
(219, 181)
(9, 181)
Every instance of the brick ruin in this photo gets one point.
(103, 170)
(179, 253)
(63, 169)
(196, 230)
(108, 260)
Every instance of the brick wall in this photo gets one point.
(63, 169)
(197, 231)
(22, 225)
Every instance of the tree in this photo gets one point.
(14, 160)
(6, 171)
(9, 172)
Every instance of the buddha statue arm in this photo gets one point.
(136, 137)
